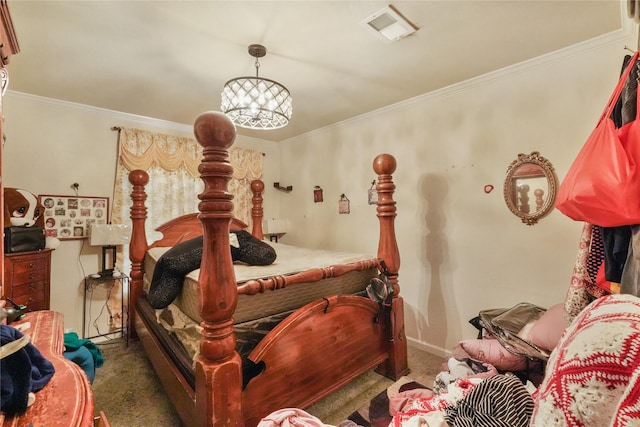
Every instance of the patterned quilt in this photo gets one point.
(592, 378)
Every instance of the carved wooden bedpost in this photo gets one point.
(137, 244)
(218, 367)
(257, 187)
(396, 365)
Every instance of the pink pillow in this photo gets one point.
(547, 330)
(491, 351)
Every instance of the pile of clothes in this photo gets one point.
(591, 379)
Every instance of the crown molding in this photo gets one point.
(619, 38)
(134, 119)
(116, 115)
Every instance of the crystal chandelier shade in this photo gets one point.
(254, 102)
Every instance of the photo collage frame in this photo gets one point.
(70, 217)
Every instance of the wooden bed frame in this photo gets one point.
(312, 353)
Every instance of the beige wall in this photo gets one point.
(52, 144)
(462, 250)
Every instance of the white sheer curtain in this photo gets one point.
(174, 183)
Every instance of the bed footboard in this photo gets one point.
(347, 339)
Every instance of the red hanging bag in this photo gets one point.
(602, 186)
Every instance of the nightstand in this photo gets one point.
(104, 311)
(27, 278)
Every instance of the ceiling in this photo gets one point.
(170, 59)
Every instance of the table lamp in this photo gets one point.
(275, 228)
(109, 236)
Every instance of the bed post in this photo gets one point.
(257, 187)
(218, 367)
(137, 244)
(396, 365)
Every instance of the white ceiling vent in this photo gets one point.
(390, 24)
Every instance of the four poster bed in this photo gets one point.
(309, 347)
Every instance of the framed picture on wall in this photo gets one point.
(69, 217)
(373, 194)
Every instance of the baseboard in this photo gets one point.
(429, 348)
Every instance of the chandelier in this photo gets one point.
(254, 102)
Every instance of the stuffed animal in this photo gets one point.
(23, 209)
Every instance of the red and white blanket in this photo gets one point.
(592, 377)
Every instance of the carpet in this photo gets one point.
(376, 412)
(128, 391)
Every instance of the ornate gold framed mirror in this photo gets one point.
(530, 187)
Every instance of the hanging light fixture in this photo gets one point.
(254, 102)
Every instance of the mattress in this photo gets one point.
(180, 337)
(290, 260)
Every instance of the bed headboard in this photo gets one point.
(184, 228)
(179, 229)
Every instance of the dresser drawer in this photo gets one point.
(30, 264)
(33, 302)
(29, 276)
(31, 288)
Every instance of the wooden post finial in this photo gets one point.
(214, 128)
(384, 164)
(138, 177)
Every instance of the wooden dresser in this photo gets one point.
(67, 400)
(27, 277)
(8, 47)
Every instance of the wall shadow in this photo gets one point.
(436, 299)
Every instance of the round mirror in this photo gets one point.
(530, 187)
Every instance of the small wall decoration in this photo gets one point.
(373, 193)
(343, 205)
(317, 194)
(69, 217)
(286, 189)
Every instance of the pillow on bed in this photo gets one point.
(252, 250)
(492, 352)
(547, 330)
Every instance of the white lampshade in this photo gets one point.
(274, 226)
(109, 234)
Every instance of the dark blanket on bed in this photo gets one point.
(177, 262)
